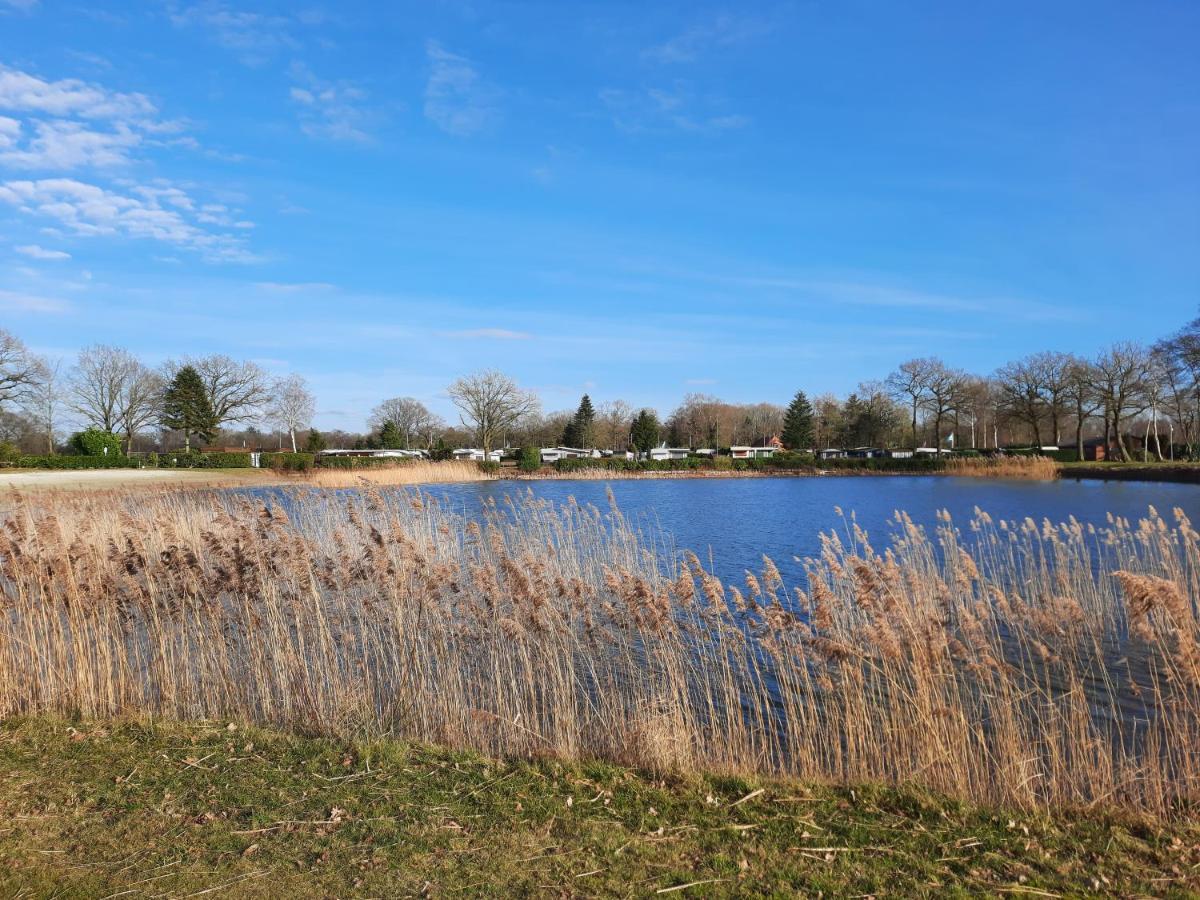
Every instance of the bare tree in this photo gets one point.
(613, 419)
(294, 405)
(19, 369)
(943, 388)
(491, 403)
(1022, 386)
(1080, 393)
(140, 402)
(99, 379)
(910, 383)
(237, 391)
(410, 417)
(42, 401)
(1119, 377)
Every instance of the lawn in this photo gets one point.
(140, 809)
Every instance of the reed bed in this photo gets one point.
(1026, 664)
(1040, 468)
(407, 473)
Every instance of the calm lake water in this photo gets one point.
(734, 521)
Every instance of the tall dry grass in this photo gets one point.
(1040, 468)
(1027, 663)
(408, 473)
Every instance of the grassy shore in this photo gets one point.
(122, 807)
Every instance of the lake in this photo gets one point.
(734, 521)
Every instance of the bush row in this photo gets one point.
(76, 462)
(288, 462)
(360, 462)
(194, 459)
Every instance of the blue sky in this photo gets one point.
(634, 200)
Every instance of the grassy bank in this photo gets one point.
(106, 808)
(1006, 669)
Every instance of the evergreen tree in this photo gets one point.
(644, 432)
(580, 431)
(315, 443)
(798, 424)
(390, 437)
(186, 407)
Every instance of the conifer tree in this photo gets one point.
(645, 431)
(798, 424)
(315, 442)
(580, 431)
(186, 407)
(390, 437)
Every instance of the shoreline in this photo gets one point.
(33, 481)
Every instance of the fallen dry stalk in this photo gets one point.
(1008, 665)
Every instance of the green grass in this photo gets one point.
(90, 809)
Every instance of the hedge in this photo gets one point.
(360, 462)
(76, 462)
(194, 459)
(287, 462)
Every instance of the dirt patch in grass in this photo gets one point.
(95, 809)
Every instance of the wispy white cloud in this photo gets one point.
(457, 99)
(159, 212)
(700, 39)
(662, 109)
(19, 5)
(70, 124)
(253, 37)
(70, 97)
(700, 381)
(497, 334)
(299, 287)
(34, 251)
(326, 108)
(15, 301)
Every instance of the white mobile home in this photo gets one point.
(661, 453)
(554, 454)
(476, 455)
(753, 452)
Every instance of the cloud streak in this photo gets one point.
(159, 212)
(457, 99)
(701, 39)
(327, 109)
(659, 109)
(496, 334)
(33, 251)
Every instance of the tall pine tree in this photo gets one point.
(390, 437)
(580, 431)
(798, 424)
(186, 407)
(644, 431)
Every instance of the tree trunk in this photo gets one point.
(1079, 432)
(292, 434)
(1116, 422)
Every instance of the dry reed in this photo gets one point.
(1033, 467)
(1009, 664)
(408, 473)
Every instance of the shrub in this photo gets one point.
(488, 466)
(76, 462)
(288, 462)
(95, 442)
(9, 453)
(530, 459)
(194, 459)
(360, 462)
